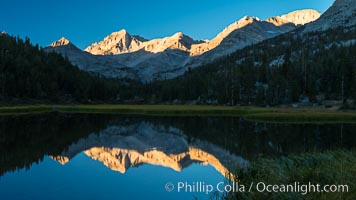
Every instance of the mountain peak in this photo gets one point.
(181, 36)
(244, 21)
(116, 43)
(61, 42)
(170, 56)
(178, 34)
(3, 33)
(301, 17)
(119, 33)
(248, 18)
(123, 31)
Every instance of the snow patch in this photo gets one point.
(277, 62)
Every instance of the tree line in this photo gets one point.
(293, 67)
(29, 73)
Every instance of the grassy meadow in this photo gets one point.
(272, 115)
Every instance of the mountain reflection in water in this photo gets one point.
(86, 156)
(131, 145)
(123, 142)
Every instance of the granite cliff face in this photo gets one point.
(301, 17)
(341, 14)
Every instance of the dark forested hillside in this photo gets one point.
(294, 67)
(28, 73)
(290, 68)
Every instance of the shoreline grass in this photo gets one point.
(161, 110)
(308, 117)
(259, 114)
(334, 167)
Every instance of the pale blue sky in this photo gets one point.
(88, 21)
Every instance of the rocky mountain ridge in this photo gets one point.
(120, 55)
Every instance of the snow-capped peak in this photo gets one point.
(61, 42)
(246, 20)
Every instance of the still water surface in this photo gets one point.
(72, 156)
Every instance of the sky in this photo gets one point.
(84, 22)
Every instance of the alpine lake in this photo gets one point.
(118, 157)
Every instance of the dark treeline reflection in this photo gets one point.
(252, 140)
(27, 139)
